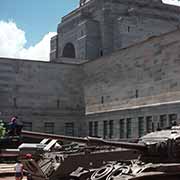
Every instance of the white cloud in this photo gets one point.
(40, 51)
(13, 40)
(172, 2)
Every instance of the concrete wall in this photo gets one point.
(144, 75)
(40, 92)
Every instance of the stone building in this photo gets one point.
(114, 72)
(100, 27)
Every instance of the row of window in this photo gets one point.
(49, 127)
(145, 125)
(108, 129)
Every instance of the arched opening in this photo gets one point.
(69, 51)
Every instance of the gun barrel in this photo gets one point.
(39, 135)
(127, 145)
(87, 140)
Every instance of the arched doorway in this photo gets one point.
(69, 51)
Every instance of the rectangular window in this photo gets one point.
(15, 102)
(129, 131)
(49, 127)
(58, 104)
(141, 126)
(172, 119)
(90, 128)
(105, 129)
(163, 121)
(149, 124)
(27, 126)
(102, 99)
(69, 129)
(111, 129)
(96, 128)
(137, 93)
(122, 126)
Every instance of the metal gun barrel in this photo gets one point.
(127, 145)
(87, 140)
(39, 135)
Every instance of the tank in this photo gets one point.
(9, 143)
(156, 155)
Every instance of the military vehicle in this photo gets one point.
(7, 138)
(9, 142)
(155, 156)
(160, 159)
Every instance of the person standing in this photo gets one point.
(13, 126)
(18, 171)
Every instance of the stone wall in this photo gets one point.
(101, 26)
(134, 88)
(146, 74)
(40, 93)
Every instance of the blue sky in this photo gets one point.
(35, 17)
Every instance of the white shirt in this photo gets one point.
(18, 167)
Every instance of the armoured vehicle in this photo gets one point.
(156, 155)
(9, 142)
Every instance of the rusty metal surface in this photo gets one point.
(126, 170)
(157, 157)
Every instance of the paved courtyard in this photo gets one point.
(6, 170)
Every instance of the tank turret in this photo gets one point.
(163, 143)
(157, 156)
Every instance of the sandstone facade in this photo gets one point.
(114, 73)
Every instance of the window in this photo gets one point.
(93, 128)
(27, 126)
(137, 93)
(101, 53)
(172, 118)
(15, 102)
(49, 127)
(141, 126)
(102, 99)
(128, 127)
(149, 124)
(105, 128)
(96, 128)
(58, 104)
(111, 128)
(82, 33)
(90, 128)
(122, 126)
(163, 121)
(69, 129)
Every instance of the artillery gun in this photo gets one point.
(156, 155)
